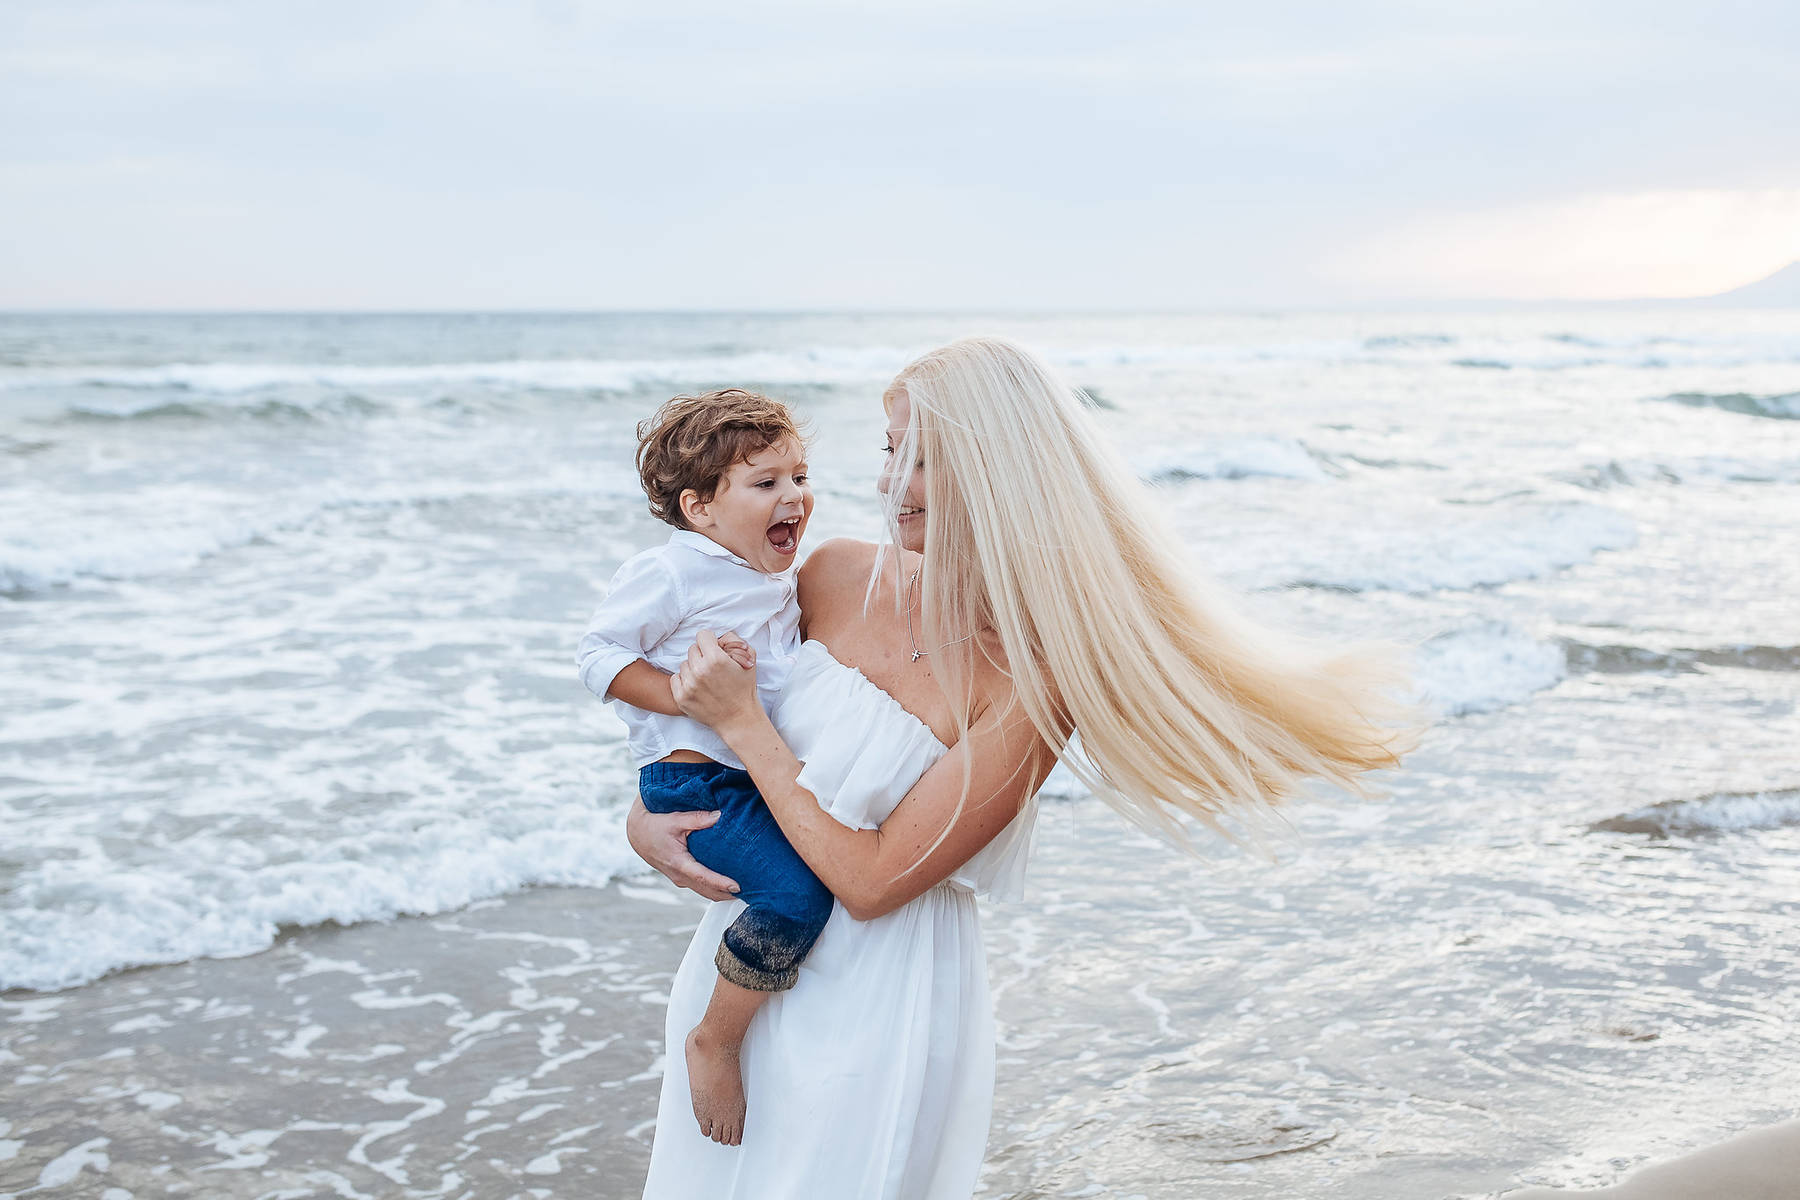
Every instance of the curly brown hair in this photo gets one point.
(691, 442)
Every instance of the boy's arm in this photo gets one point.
(643, 686)
(642, 607)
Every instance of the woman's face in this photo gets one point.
(911, 518)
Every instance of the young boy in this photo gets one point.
(728, 470)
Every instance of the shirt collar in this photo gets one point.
(705, 545)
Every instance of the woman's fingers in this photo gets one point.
(709, 884)
(687, 871)
(711, 686)
(660, 839)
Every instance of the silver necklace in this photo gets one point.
(917, 653)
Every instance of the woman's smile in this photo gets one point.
(909, 513)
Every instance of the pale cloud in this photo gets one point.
(1644, 244)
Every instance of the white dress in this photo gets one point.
(873, 1078)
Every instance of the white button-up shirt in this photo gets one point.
(658, 603)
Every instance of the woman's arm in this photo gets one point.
(874, 871)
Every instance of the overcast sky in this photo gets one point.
(919, 154)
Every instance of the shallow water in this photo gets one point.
(289, 604)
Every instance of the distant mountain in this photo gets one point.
(1780, 290)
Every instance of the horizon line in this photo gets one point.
(1264, 309)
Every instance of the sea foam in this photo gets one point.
(52, 539)
(1477, 546)
(1484, 667)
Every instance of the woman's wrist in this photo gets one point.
(746, 729)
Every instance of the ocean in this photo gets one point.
(288, 607)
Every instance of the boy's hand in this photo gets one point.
(739, 650)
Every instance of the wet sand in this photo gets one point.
(1152, 1044)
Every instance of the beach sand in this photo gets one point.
(485, 1053)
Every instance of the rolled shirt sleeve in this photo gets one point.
(642, 607)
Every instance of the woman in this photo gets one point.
(1034, 596)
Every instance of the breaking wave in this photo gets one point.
(1711, 469)
(154, 406)
(1230, 458)
(828, 365)
(814, 366)
(1784, 406)
(1721, 812)
(72, 920)
(1632, 660)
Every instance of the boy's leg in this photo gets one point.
(715, 1075)
(786, 908)
(715, 1079)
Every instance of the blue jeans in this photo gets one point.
(787, 905)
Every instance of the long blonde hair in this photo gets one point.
(1179, 705)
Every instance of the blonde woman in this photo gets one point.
(1032, 596)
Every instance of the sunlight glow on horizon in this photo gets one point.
(1645, 245)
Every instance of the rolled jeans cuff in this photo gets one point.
(735, 970)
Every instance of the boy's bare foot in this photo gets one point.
(717, 1088)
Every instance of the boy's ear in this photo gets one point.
(693, 509)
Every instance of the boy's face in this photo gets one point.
(760, 509)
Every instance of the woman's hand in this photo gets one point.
(714, 688)
(660, 839)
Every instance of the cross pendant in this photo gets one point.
(917, 655)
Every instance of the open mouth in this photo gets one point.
(906, 512)
(784, 536)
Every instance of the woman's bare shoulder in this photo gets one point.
(836, 573)
(836, 555)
